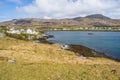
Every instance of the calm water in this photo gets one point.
(107, 42)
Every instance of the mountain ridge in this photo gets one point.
(95, 20)
(99, 16)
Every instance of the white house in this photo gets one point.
(14, 31)
(22, 30)
(30, 31)
(65, 29)
(55, 29)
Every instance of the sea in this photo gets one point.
(105, 42)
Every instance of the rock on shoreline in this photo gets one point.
(45, 37)
(80, 50)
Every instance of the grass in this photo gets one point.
(48, 62)
(50, 71)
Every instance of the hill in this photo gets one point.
(97, 16)
(96, 20)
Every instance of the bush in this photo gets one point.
(18, 36)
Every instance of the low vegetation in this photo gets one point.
(23, 36)
(37, 61)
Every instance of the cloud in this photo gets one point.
(71, 8)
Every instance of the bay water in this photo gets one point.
(106, 42)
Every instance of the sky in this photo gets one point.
(49, 9)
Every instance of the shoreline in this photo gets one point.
(79, 50)
(89, 30)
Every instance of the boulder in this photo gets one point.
(65, 47)
(11, 61)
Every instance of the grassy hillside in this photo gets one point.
(48, 62)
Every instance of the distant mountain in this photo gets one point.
(97, 16)
(97, 20)
(77, 18)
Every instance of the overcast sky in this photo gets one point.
(12, 9)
